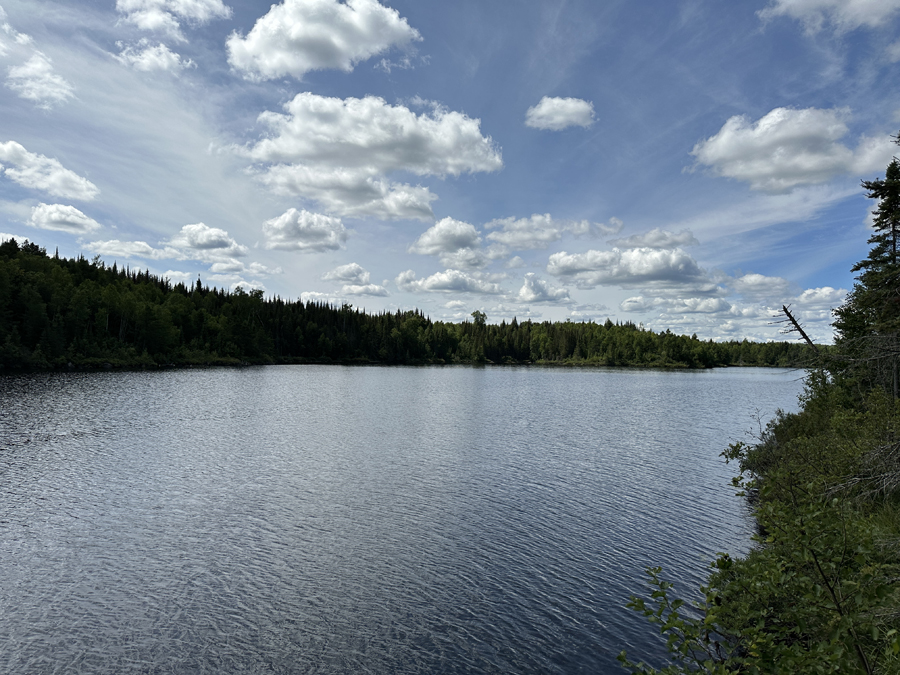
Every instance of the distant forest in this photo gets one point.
(58, 313)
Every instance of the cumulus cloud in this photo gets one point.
(657, 238)
(298, 36)
(193, 242)
(826, 296)
(230, 269)
(339, 151)
(466, 258)
(353, 273)
(221, 270)
(115, 248)
(177, 277)
(357, 281)
(351, 193)
(61, 218)
(455, 242)
(297, 230)
(842, 15)
(146, 57)
(535, 290)
(367, 133)
(38, 172)
(165, 16)
(201, 237)
(665, 268)
(247, 286)
(514, 263)
(788, 148)
(448, 281)
(365, 289)
(554, 113)
(761, 287)
(35, 80)
(446, 236)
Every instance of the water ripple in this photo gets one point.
(330, 519)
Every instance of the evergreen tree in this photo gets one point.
(868, 324)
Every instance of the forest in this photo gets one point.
(819, 592)
(59, 313)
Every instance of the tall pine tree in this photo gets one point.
(868, 323)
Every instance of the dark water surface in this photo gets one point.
(329, 519)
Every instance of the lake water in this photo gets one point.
(329, 519)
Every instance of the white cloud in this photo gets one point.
(514, 263)
(247, 286)
(338, 152)
(298, 36)
(665, 268)
(590, 312)
(466, 258)
(115, 248)
(353, 273)
(535, 290)
(193, 242)
(61, 218)
(146, 57)
(826, 296)
(554, 113)
(761, 287)
(165, 15)
(456, 242)
(364, 289)
(657, 238)
(297, 230)
(446, 236)
(229, 267)
(204, 238)
(842, 15)
(448, 281)
(351, 193)
(787, 148)
(367, 133)
(177, 277)
(640, 304)
(35, 80)
(38, 172)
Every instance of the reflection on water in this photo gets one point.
(337, 519)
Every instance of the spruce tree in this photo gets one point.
(867, 325)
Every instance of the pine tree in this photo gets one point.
(868, 323)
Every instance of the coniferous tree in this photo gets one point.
(868, 324)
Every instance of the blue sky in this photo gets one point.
(691, 165)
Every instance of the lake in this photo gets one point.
(331, 519)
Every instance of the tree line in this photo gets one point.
(58, 313)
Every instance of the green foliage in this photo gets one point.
(55, 311)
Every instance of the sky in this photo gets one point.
(689, 165)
